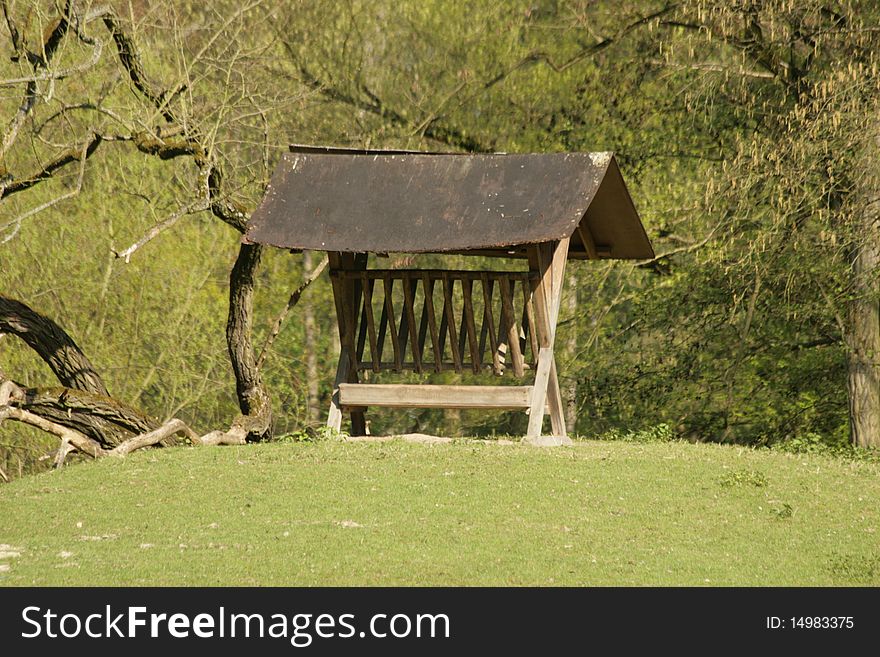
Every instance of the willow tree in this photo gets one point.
(799, 188)
(176, 85)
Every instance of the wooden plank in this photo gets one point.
(503, 326)
(512, 330)
(539, 392)
(390, 366)
(403, 327)
(444, 328)
(489, 321)
(470, 325)
(555, 401)
(436, 274)
(529, 321)
(383, 328)
(462, 330)
(410, 314)
(554, 394)
(428, 287)
(351, 292)
(375, 354)
(362, 325)
(449, 313)
(435, 396)
(423, 325)
(588, 241)
(389, 309)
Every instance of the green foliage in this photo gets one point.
(310, 435)
(744, 477)
(812, 443)
(660, 433)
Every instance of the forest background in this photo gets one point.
(138, 136)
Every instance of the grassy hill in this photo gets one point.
(332, 513)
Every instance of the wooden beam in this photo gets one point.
(489, 326)
(511, 327)
(554, 393)
(335, 262)
(549, 259)
(386, 366)
(560, 256)
(588, 241)
(435, 396)
(428, 287)
(392, 320)
(436, 274)
(334, 416)
(409, 294)
(449, 314)
(555, 403)
(529, 321)
(470, 325)
(539, 392)
(375, 355)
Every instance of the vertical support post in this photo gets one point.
(548, 259)
(347, 295)
(554, 392)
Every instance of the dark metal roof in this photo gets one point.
(338, 199)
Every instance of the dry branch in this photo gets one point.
(81, 442)
(291, 302)
(154, 437)
(154, 232)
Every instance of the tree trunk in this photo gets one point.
(253, 397)
(863, 339)
(106, 420)
(83, 403)
(312, 399)
(571, 346)
(52, 344)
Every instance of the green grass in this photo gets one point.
(332, 513)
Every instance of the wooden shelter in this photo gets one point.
(540, 208)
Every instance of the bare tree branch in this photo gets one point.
(15, 225)
(154, 437)
(291, 302)
(191, 208)
(78, 153)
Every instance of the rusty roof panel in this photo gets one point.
(372, 201)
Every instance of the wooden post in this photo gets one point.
(347, 296)
(554, 392)
(334, 417)
(549, 261)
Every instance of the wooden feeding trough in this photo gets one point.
(540, 208)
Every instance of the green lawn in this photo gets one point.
(331, 513)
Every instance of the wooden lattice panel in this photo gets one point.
(426, 320)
